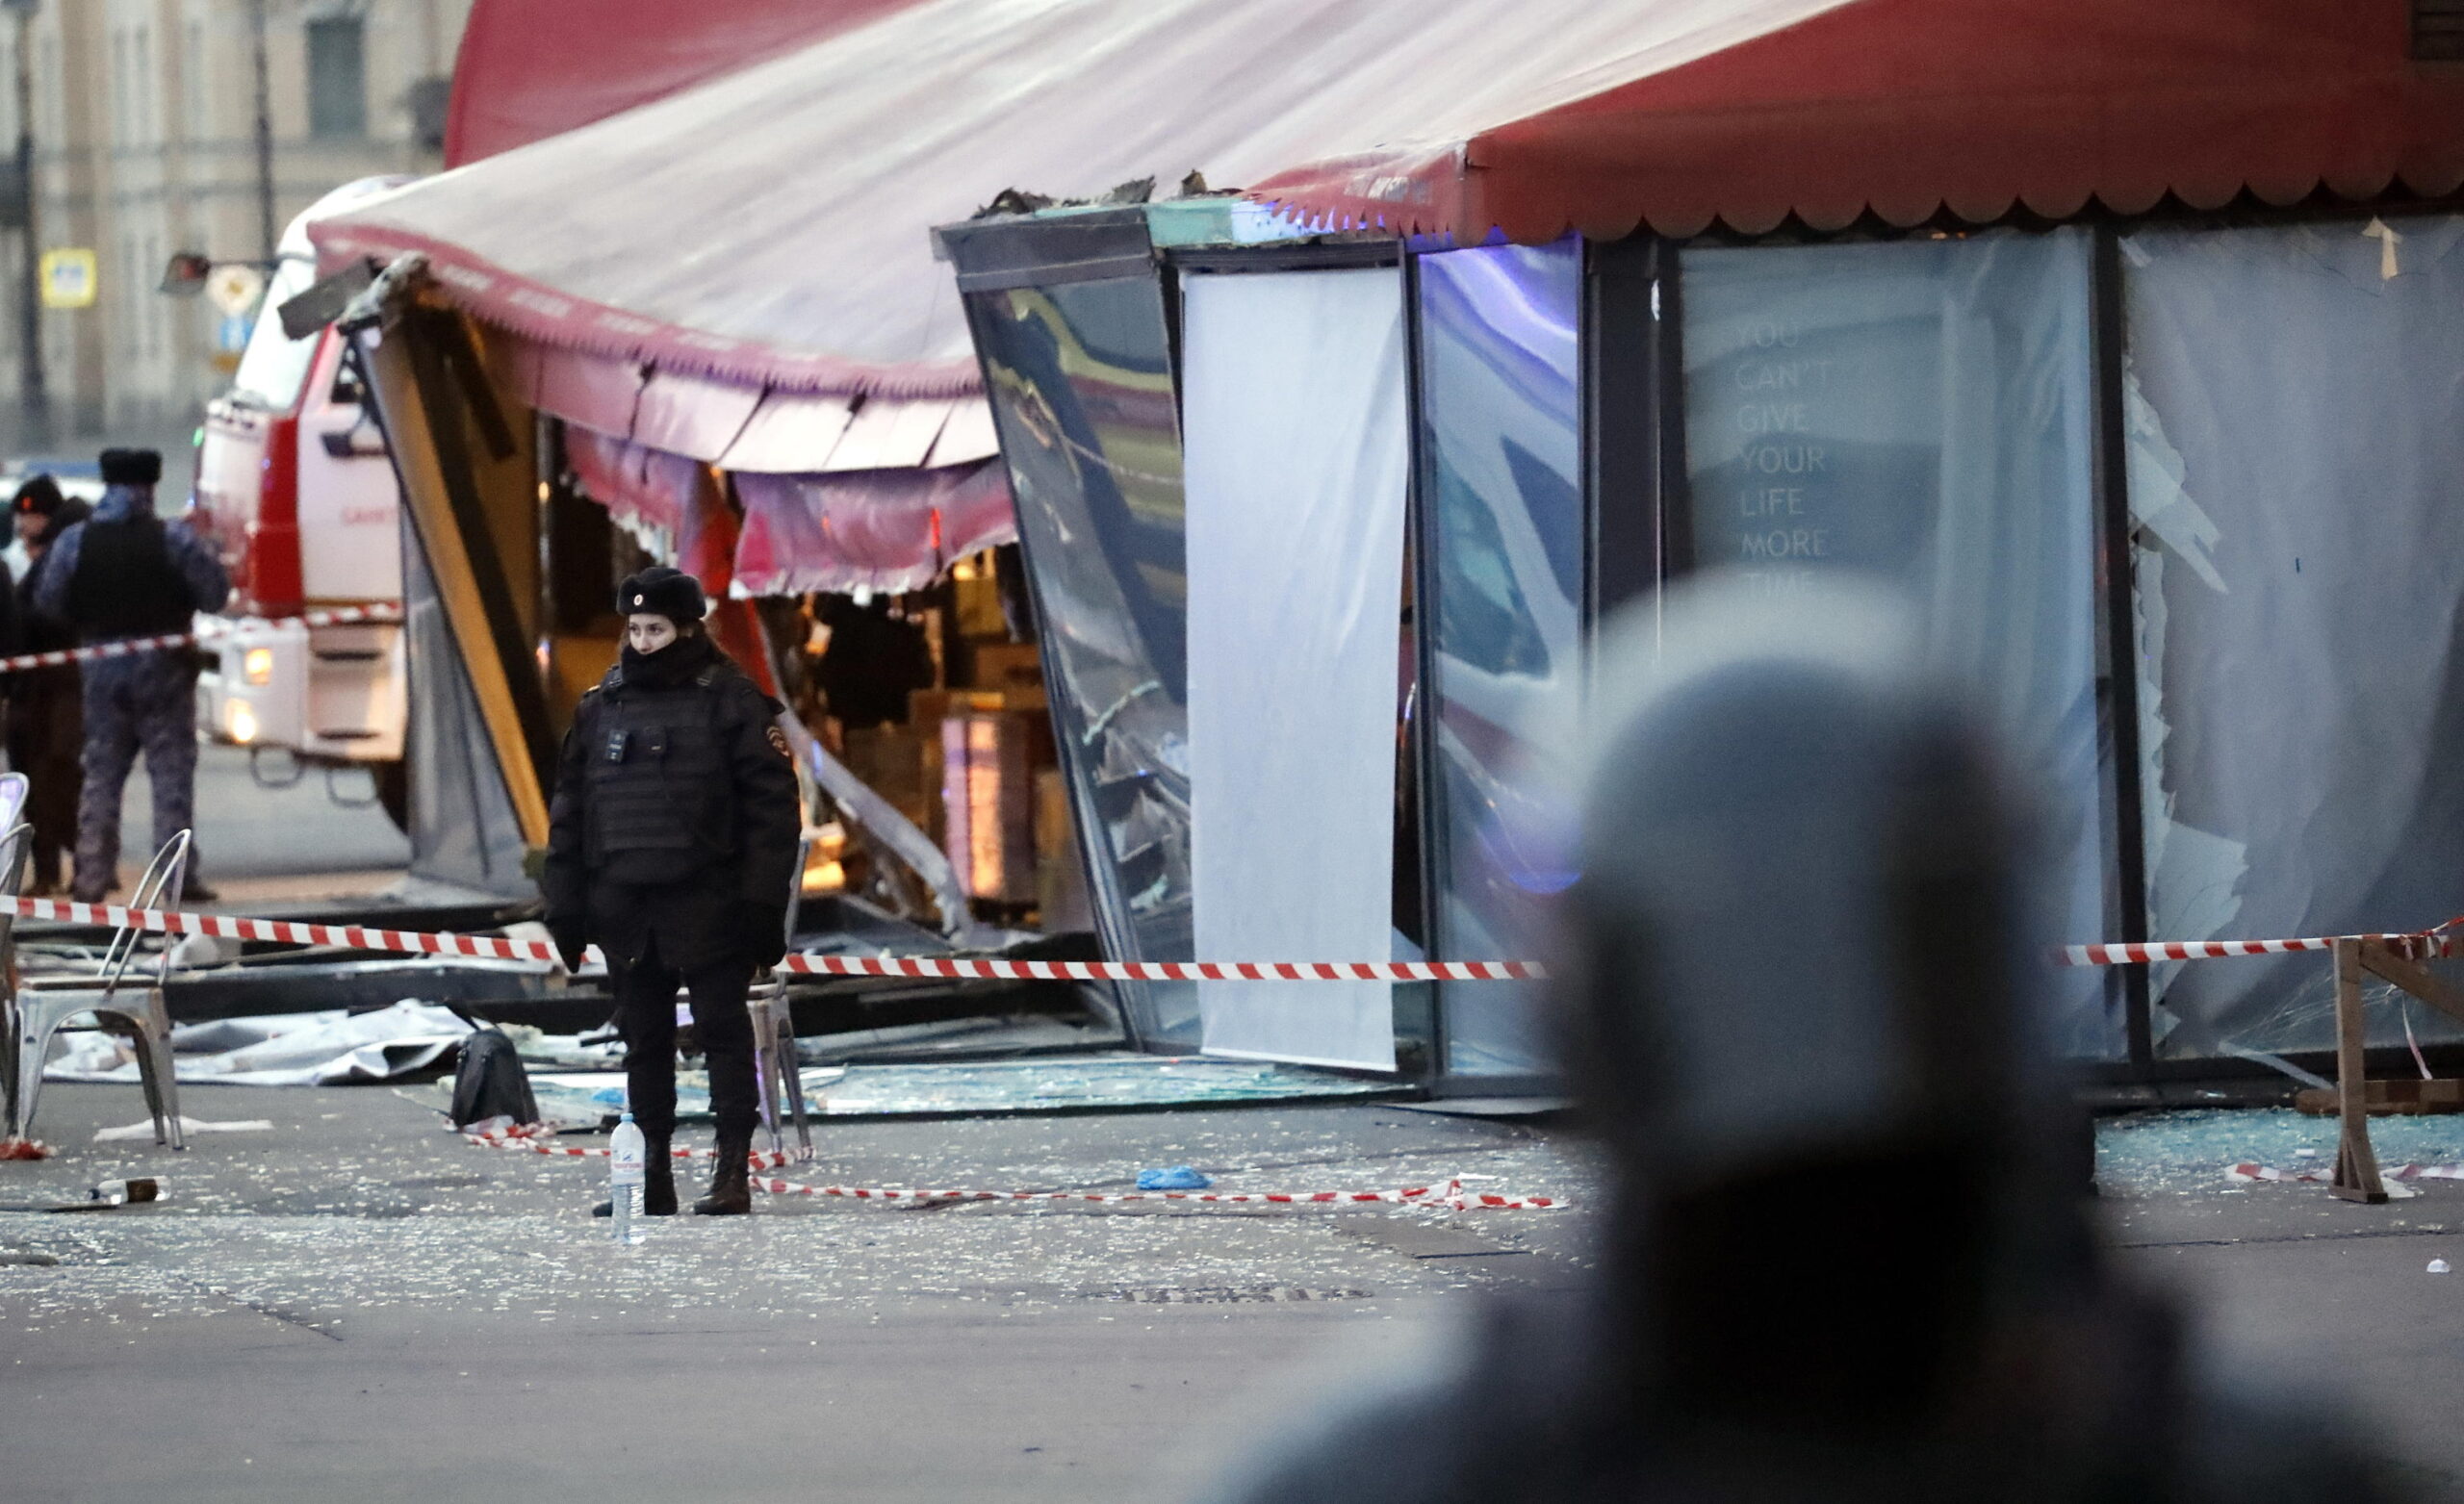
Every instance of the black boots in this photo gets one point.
(658, 1182)
(730, 1195)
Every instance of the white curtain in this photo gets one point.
(1296, 458)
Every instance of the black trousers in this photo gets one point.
(646, 1016)
(46, 738)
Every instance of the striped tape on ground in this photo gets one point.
(540, 1143)
(343, 616)
(1450, 1195)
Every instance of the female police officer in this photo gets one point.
(672, 842)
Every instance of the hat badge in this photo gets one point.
(637, 600)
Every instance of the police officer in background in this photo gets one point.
(118, 575)
(45, 731)
(672, 843)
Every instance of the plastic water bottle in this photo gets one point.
(626, 1168)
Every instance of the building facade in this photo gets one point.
(145, 122)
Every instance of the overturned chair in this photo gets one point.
(134, 1010)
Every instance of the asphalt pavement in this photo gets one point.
(352, 1300)
(355, 1301)
(268, 830)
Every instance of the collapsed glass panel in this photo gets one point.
(1501, 446)
(1919, 411)
(1081, 384)
(2295, 444)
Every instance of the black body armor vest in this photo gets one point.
(662, 795)
(126, 584)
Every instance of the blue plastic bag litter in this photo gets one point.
(1179, 1177)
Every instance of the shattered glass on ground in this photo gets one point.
(2187, 1152)
(1075, 1083)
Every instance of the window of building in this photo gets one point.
(142, 83)
(337, 77)
(193, 85)
(120, 84)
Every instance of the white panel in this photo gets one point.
(889, 433)
(790, 433)
(968, 437)
(1296, 463)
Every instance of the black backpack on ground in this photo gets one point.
(491, 1083)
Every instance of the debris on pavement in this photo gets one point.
(128, 1132)
(1116, 1083)
(1179, 1177)
(2194, 1152)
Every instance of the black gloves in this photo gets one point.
(570, 941)
(762, 932)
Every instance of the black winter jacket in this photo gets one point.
(674, 782)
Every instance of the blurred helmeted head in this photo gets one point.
(1795, 994)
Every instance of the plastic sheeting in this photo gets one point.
(2295, 442)
(1297, 454)
(882, 530)
(1919, 410)
(1081, 379)
(332, 1048)
(1503, 455)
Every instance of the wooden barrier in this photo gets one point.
(2357, 1176)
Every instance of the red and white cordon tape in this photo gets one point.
(341, 616)
(1451, 1194)
(2245, 1174)
(498, 948)
(537, 1142)
(2417, 945)
(961, 970)
(230, 926)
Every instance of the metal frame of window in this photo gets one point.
(1635, 446)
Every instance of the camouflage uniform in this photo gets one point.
(146, 701)
(138, 578)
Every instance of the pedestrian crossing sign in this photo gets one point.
(69, 278)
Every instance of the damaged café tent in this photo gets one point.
(2123, 337)
(725, 300)
(528, 69)
(1965, 216)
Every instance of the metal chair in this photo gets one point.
(15, 848)
(773, 1033)
(775, 1066)
(40, 1007)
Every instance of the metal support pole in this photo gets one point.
(33, 385)
(269, 233)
